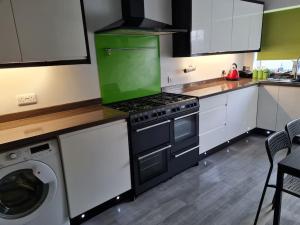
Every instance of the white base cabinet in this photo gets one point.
(226, 116)
(277, 105)
(267, 107)
(288, 106)
(212, 122)
(241, 111)
(96, 165)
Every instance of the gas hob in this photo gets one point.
(153, 107)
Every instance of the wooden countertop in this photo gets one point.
(211, 88)
(16, 133)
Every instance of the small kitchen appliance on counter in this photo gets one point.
(233, 73)
(164, 136)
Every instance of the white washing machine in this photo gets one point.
(32, 186)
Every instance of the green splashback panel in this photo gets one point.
(132, 69)
(281, 35)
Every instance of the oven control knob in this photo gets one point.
(154, 114)
(12, 156)
(178, 109)
(146, 117)
(174, 110)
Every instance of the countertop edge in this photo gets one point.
(225, 91)
(54, 135)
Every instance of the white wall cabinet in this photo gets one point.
(255, 23)
(9, 46)
(50, 30)
(217, 26)
(96, 165)
(42, 31)
(288, 106)
(267, 107)
(222, 12)
(201, 26)
(247, 25)
(241, 111)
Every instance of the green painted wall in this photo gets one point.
(281, 35)
(131, 73)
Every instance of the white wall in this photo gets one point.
(59, 84)
(65, 84)
(207, 67)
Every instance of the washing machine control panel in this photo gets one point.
(23, 154)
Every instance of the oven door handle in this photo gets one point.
(152, 153)
(191, 114)
(187, 151)
(152, 126)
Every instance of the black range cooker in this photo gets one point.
(163, 136)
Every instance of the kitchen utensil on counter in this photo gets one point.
(266, 74)
(259, 74)
(255, 74)
(233, 73)
(245, 73)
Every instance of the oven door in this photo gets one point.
(151, 136)
(153, 164)
(186, 127)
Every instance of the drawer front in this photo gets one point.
(212, 119)
(212, 139)
(212, 102)
(151, 137)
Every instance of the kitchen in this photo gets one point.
(87, 137)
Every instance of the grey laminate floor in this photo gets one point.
(225, 191)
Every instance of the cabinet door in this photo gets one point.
(9, 46)
(241, 111)
(212, 122)
(256, 22)
(222, 13)
(247, 25)
(241, 26)
(267, 107)
(201, 26)
(50, 30)
(288, 106)
(96, 165)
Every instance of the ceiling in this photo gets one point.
(275, 4)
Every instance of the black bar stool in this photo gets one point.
(274, 144)
(293, 129)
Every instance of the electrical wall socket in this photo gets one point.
(26, 99)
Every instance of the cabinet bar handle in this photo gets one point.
(153, 153)
(181, 117)
(155, 125)
(187, 151)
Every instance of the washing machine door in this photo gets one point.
(25, 190)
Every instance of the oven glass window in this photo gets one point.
(152, 165)
(185, 128)
(21, 193)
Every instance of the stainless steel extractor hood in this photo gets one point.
(134, 22)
